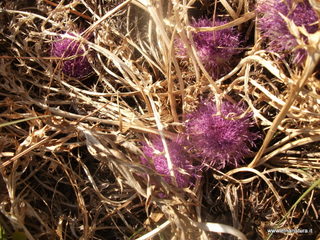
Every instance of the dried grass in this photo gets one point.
(70, 166)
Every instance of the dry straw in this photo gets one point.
(71, 169)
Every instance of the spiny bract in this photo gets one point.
(77, 66)
(155, 158)
(219, 141)
(275, 30)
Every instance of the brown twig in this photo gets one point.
(72, 11)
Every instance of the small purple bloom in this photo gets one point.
(275, 29)
(215, 49)
(155, 158)
(219, 141)
(77, 66)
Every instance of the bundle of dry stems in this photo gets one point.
(71, 168)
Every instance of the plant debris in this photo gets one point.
(77, 126)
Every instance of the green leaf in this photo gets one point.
(2, 234)
(22, 120)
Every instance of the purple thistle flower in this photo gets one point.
(215, 49)
(275, 29)
(155, 158)
(217, 141)
(77, 66)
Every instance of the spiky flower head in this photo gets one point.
(155, 158)
(219, 140)
(77, 66)
(275, 30)
(215, 49)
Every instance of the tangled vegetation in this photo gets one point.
(99, 97)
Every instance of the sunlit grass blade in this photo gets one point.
(22, 120)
